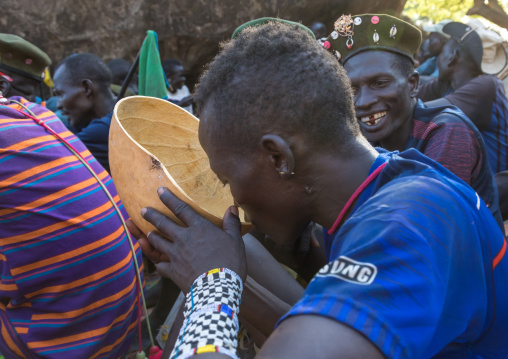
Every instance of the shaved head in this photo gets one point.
(276, 78)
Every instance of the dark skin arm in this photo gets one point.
(267, 272)
(312, 336)
(268, 285)
(259, 312)
(202, 246)
(269, 291)
(438, 102)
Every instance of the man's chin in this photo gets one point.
(285, 237)
(373, 138)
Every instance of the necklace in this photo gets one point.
(355, 196)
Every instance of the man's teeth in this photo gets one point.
(373, 119)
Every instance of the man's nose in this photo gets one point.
(364, 98)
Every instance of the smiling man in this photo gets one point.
(82, 85)
(380, 66)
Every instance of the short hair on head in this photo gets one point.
(169, 66)
(87, 66)
(403, 64)
(277, 78)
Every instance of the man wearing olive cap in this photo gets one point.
(24, 63)
(377, 54)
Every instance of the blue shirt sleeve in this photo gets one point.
(428, 67)
(399, 272)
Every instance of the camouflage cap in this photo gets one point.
(22, 57)
(358, 33)
(265, 20)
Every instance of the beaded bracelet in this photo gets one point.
(211, 315)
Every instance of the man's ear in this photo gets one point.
(413, 81)
(279, 153)
(88, 86)
(5, 86)
(453, 57)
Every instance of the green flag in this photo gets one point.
(152, 80)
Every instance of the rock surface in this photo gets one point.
(188, 30)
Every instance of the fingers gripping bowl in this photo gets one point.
(152, 144)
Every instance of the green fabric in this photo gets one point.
(405, 42)
(265, 20)
(152, 81)
(23, 56)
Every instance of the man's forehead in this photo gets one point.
(211, 133)
(61, 72)
(205, 123)
(62, 77)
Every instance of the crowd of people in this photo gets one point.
(382, 188)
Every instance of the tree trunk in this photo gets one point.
(491, 11)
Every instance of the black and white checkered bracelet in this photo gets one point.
(211, 315)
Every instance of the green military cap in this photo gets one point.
(358, 33)
(265, 20)
(22, 57)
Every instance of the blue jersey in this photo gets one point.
(417, 267)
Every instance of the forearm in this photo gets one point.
(263, 269)
(260, 310)
(438, 102)
(270, 291)
(306, 263)
(211, 321)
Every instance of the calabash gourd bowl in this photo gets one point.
(154, 143)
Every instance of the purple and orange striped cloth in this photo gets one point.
(68, 283)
